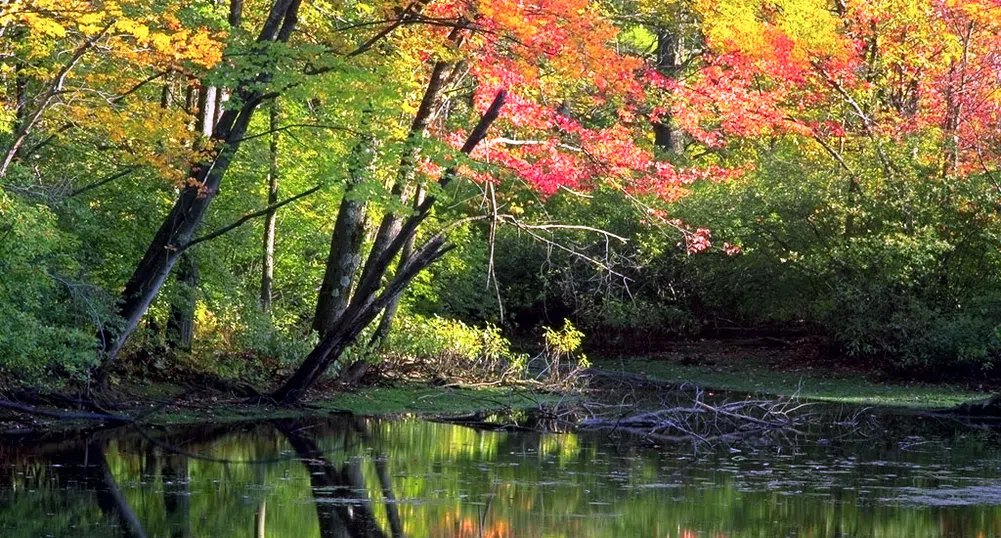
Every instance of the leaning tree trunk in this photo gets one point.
(181, 320)
(390, 226)
(367, 302)
(345, 244)
(381, 335)
(331, 319)
(189, 209)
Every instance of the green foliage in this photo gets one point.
(561, 357)
(37, 340)
(452, 348)
(902, 271)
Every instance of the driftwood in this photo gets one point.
(80, 415)
(701, 422)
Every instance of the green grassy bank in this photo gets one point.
(758, 375)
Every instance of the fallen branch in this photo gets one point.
(118, 419)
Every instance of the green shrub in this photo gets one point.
(561, 359)
(49, 320)
(451, 348)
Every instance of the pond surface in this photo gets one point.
(906, 477)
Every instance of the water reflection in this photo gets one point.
(373, 478)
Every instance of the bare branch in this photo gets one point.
(243, 220)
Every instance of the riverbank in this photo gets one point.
(172, 407)
(755, 367)
(775, 369)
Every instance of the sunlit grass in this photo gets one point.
(755, 375)
(370, 401)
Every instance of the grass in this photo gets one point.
(758, 376)
(405, 400)
(424, 400)
(373, 401)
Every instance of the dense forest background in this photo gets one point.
(271, 190)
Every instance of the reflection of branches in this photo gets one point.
(109, 496)
(346, 484)
(195, 456)
(386, 483)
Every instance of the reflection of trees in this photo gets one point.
(350, 512)
(349, 474)
(386, 484)
(85, 466)
(109, 496)
(176, 498)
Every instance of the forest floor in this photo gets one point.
(160, 405)
(772, 367)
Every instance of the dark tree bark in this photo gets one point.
(235, 13)
(268, 266)
(666, 135)
(366, 303)
(189, 209)
(382, 332)
(390, 226)
(181, 322)
(345, 244)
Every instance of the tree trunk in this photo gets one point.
(207, 101)
(390, 226)
(235, 13)
(181, 320)
(189, 209)
(181, 323)
(382, 332)
(268, 267)
(365, 304)
(667, 136)
(330, 319)
(345, 244)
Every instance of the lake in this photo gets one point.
(898, 476)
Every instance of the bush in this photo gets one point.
(562, 360)
(449, 348)
(49, 320)
(901, 271)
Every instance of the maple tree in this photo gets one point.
(142, 117)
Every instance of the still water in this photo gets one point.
(903, 477)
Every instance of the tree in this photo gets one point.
(205, 178)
